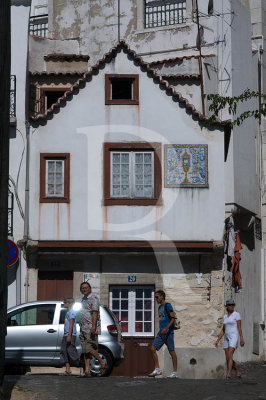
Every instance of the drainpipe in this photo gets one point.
(18, 281)
(118, 20)
(262, 322)
(26, 220)
(200, 60)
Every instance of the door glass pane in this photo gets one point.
(139, 304)
(147, 327)
(124, 305)
(138, 315)
(147, 304)
(115, 293)
(124, 316)
(124, 327)
(124, 293)
(115, 305)
(147, 315)
(147, 293)
(138, 327)
(139, 293)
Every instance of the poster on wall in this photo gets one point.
(186, 165)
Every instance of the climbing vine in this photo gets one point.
(218, 103)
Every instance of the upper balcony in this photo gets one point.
(164, 12)
(39, 25)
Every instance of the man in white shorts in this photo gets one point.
(232, 332)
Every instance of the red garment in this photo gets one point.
(236, 276)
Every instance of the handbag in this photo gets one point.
(176, 325)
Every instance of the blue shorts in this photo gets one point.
(167, 338)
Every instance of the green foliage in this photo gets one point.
(231, 103)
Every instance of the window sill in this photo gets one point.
(54, 200)
(132, 202)
(122, 102)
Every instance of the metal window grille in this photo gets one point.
(162, 13)
(12, 108)
(10, 212)
(39, 25)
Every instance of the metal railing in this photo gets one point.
(10, 212)
(39, 25)
(12, 107)
(162, 13)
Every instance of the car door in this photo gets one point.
(31, 336)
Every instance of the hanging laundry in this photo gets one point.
(229, 244)
(236, 275)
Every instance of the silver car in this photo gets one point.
(35, 331)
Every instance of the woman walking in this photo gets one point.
(232, 332)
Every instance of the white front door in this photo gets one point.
(134, 307)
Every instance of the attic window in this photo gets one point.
(121, 89)
(50, 96)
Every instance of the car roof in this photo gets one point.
(32, 303)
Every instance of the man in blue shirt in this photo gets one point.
(165, 334)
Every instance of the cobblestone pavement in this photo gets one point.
(57, 387)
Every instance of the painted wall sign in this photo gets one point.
(132, 278)
(12, 253)
(186, 165)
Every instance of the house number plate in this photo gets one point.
(132, 278)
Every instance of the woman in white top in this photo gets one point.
(231, 331)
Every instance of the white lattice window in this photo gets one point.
(54, 178)
(132, 174)
(134, 307)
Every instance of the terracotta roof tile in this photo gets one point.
(164, 85)
(181, 76)
(176, 59)
(45, 73)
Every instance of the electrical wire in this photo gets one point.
(17, 197)
(15, 184)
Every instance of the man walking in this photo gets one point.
(165, 334)
(90, 328)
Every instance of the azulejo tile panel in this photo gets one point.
(186, 165)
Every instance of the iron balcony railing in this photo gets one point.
(12, 107)
(10, 212)
(39, 25)
(164, 12)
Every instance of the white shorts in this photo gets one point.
(230, 341)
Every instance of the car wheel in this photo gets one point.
(95, 366)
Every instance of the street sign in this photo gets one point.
(12, 253)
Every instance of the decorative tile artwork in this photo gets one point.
(186, 165)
